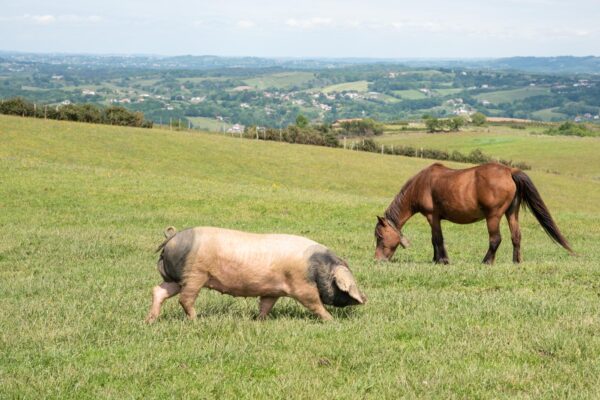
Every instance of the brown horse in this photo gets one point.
(464, 196)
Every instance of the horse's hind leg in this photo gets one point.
(512, 217)
(437, 240)
(493, 226)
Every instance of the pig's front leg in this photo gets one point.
(159, 294)
(308, 295)
(265, 306)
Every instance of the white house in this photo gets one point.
(237, 128)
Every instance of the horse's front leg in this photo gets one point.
(493, 226)
(437, 240)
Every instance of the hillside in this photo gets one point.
(562, 155)
(83, 208)
(209, 92)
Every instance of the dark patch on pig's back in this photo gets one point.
(320, 271)
(171, 263)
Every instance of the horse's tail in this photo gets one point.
(528, 195)
(169, 234)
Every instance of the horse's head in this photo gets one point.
(388, 238)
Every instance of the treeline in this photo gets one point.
(571, 129)
(325, 135)
(86, 112)
(360, 127)
(474, 157)
(318, 135)
(433, 124)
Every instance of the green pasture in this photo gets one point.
(199, 79)
(409, 94)
(209, 124)
(563, 155)
(447, 91)
(548, 114)
(280, 80)
(507, 96)
(356, 86)
(82, 208)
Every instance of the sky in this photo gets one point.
(304, 28)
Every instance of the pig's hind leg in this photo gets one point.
(265, 306)
(189, 292)
(159, 294)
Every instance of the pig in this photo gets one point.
(268, 266)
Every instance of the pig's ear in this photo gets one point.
(346, 283)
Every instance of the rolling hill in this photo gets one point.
(83, 208)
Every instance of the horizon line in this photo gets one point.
(157, 55)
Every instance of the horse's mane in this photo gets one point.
(392, 213)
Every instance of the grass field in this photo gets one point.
(83, 207)
(506, 96)
(564, 155)
(356, 86)
(280, 80)
(410, 94)
(548, 114)
(209, 124)
(448, 91)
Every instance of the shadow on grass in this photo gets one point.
(297, 311)
(232, 309)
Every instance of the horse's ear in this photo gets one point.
(404, 242)
(380, 220)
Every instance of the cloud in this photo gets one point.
(49, 19)
(79, 18)
(246, 24)
(42, 19)
(428, 26)
(310, 23)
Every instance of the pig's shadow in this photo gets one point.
(297, 311)
(290, 311)
(284, 309)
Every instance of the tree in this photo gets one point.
(16, 106)
(301, 121)
(433, 124)
(361, 127)
(478, 119)
(456, 123)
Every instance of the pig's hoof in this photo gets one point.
(150, 319)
